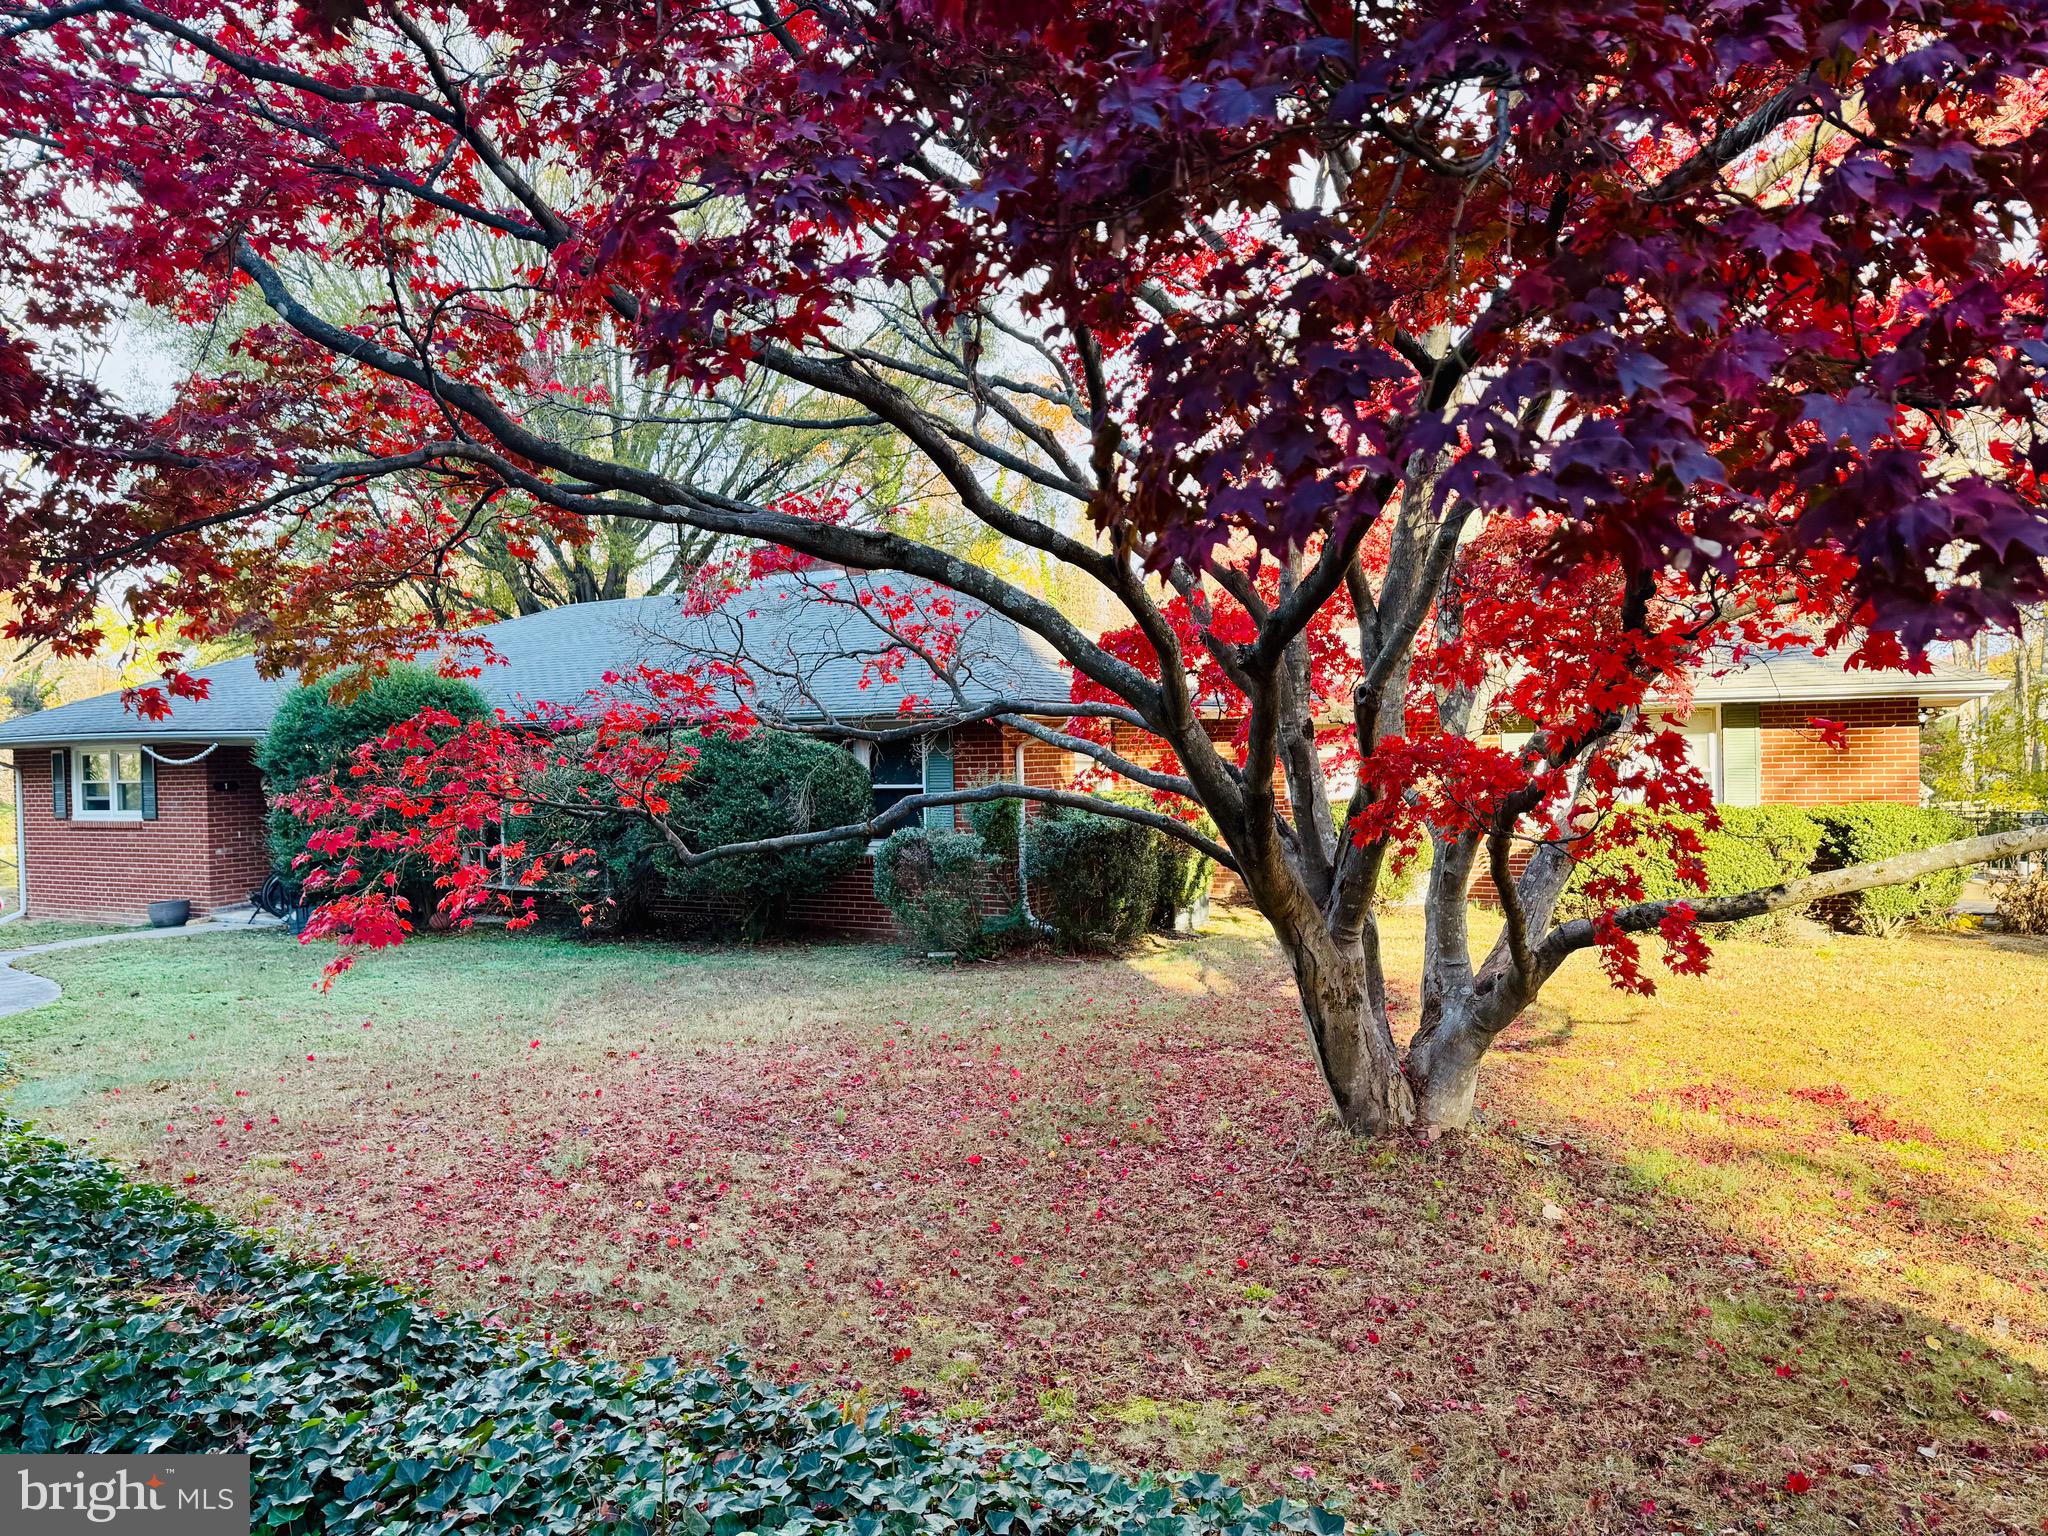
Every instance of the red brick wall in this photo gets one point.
(982, 754)
(1482, 889)
(206, 844)
(1882, 761)
(846, 906)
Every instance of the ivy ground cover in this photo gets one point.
(134, 1320)
(1765, 1252)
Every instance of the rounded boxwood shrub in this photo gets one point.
(767, 784)
(1863, 830)
(932, 881)
(314, 730)
(997, 823)
(1095, 880)
(1184, 871)
(1184, 874)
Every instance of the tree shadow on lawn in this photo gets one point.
(1096, 1208)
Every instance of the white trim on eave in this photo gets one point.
(130, 737)
(1934, 690)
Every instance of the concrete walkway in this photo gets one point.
(19, 991)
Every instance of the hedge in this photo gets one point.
(1184, 875)
(1872, 829)
(931, 882)
(313, 730)
(132, 1320)
(767, 784)
(1763, 845)
(1095, 880)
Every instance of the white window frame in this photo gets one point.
(113, 751)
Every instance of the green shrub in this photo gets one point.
(1396, 883)
(1095, 880)
(1184, 871)
(1000, 826)
(615, 883)
(134, 1321)
(932, 881)
(1399, 881)
(997, 823)
(1756, 846)
(768, 784)
(1868, 829)
(1184, 875)
(313, 731)
(1764, 845)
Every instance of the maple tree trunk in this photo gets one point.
(1443, 1065)
(1344, 1003)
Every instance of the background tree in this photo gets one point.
(1994, 752)
(1389, 368)
(493, 558)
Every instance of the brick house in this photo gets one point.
(1750, 728)
(117, 812)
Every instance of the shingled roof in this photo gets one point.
(807, 658)
(1816, 676)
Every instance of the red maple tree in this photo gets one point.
(1389, 368)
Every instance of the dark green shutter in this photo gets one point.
(1742, 755)
(60, 784)
(148, 787)
(938, 780)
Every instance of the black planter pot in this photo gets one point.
(169, 914)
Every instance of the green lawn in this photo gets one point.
(1784, 1223)
(30, 932)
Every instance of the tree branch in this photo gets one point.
(1579, 933)
(906, 810)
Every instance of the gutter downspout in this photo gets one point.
(1023, 885)
(20, 850)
